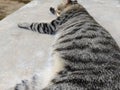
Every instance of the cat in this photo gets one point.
(85, 55)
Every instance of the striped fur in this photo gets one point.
(88, 56)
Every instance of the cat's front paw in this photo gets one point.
(24, 25)
(24, 85)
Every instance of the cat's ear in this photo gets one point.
(75, 0)
(69, 1)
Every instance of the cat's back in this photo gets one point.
(91, 55)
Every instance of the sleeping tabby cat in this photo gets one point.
(85, 55)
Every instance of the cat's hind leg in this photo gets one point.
(24, 85)
(28, 85)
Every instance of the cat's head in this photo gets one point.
(65, 6)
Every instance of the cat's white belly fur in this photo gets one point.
(56, 65)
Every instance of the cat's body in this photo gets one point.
(88, 56)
